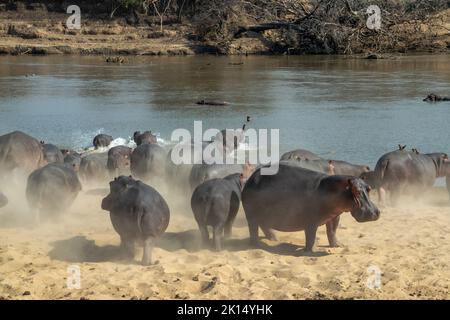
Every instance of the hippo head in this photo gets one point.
(362, 208)
(431, 98)
(117, 187)
(441, 162)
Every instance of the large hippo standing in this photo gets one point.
(102, 140)
(93, 167)
(299, 154)
(402, 171)
(216, 203)
(20, 151)
(3, 200)
(148, 161)
(137, 212)
(52, 154)
(52, 189)
(119, 160)
(146, 137)
(298, 199)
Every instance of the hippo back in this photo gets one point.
(19, 150)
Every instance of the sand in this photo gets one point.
(409, 245)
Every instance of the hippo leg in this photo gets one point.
(205, 234)
(127, 247)
(270, 234)
(310, 235)
(253, 229)
(332, 226)
(217, 236)
(382, 195)
(149, 243)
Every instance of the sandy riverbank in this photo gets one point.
(409, 244)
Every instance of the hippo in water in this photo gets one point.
(102, 140)
(401, 171)
(3, 200)
(216, 203)
(52, 154)
(212, 103)
(119, 160)
(20, 151)
(93, 167)
(146, 137)
(298, 199)
(137, 212)
(299, 155)
(435, 98)
(52, 189)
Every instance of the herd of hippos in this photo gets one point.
(306, 192)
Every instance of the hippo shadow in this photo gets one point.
(81, 249)
(190, 241)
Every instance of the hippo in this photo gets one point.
(52, 154)
(370, 178)
(203, 172)
(137, 212)
(73, 160)
(401, 170)
(299, 154)
(3, 200)
(216, 203)
(52, 189)
(212, 103)
(102, 140)
(435, 98)
(93, 167)
(148, 161)
(178, 173)
(119, 160)
(297, 199)
(20, 151)
(146, 137)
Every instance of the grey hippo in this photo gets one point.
(297, 199)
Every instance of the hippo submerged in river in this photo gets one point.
(401, 171)
(299, 154)
(435, 98)
(212, 103)
(216, 203)
(298, 199)
(137, 212)
(52, 189)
